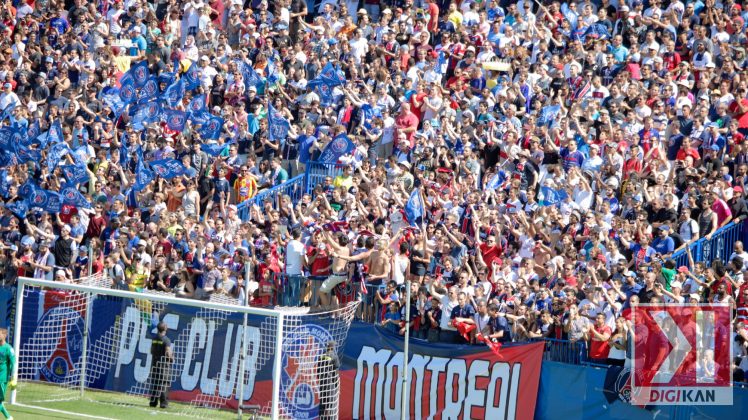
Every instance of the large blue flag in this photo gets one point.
(201, 117)
(277, 125)
(496, 181)
(324, 89)
(571, 16)
(149, 90)
(75, 174)
(167, 77)
(331, 75)
(54, 135)
(18, 208)
(146, 113)
(7, 159)
(214, 149)
(174, 93)
(197, 104)
(596, 31)
(55, 154)
(143, 177)
(414, 208)
(548, 116)
(168, 168)
(11, 138)
(72, 197)
(547, 196)
(339, 146)
(192, 77)
(32, 133)
(46, 200)
(212, 129)
(127, 92)
(26, 154)
(111, 98)
(174, 119)
(272, 71)
(251, 78)
(140, 73)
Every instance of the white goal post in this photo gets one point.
(91, 292)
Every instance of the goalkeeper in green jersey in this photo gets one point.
(7, 364)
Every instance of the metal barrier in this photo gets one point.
(316, 172)
(719, 246)
(565, 351)
(294, 188)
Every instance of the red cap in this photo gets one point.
(737, 189)
(602, 258)
(683, 269)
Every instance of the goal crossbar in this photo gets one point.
(23, 282)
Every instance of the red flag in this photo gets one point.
(464, 329)
(491, 345)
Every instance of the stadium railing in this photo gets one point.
(316, 172)
(719, 246)
(294, 188)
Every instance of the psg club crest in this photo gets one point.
(65, 355)
(339, 145)
(299, 385)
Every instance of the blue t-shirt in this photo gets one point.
(663, 245)
(305, 143)
(571, 159)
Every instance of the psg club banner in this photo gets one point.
(446, 381)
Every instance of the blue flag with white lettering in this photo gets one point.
(414, 207)
(127, 92)
(201, 117)
(331, 75)
(168, 168)
(174, 119)
(149, 90)
(140, 73)
(111, 98)
(212, 129)
(143, 176)
(197, 104)
(46, 200)
(548, 116)
(251, 78)
(324, 89)
(18, 208)
(55, 154)
(192, 77)
(11, 138)
(75, 174)
(547, 196)
(146, 113)
(32, 133)
(339, 146)
(214, 149)
(26, 154)
(174, 93)
(277, 125)
(72, 197)
(167, 77)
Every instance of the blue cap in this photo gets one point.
(715, 147)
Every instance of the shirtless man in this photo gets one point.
(339, 273)
(378, 261)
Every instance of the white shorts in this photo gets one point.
(331, 282)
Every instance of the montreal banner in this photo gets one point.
(446, 381)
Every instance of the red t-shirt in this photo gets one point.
(600, 349)
(321, 263)
(407, 121)
(742, 118)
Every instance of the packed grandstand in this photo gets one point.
(530, 170)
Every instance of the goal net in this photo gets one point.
(74, 341)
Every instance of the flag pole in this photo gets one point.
(405, 397)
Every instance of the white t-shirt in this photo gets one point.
(294, 257)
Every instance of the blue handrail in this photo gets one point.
(294, 188)
(719, 246)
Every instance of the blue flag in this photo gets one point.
(32, 133)
(251, 78)
(55, 154)
(277, 125)
(168, 168)
(548, 116)
(324, 89)
(167, 77)
(338, 147)
(26, 154)
(496, 181)
(54, 134)
(547, 196)
(331, 75)
(214, 149)
(146, 113)
(72, 197)
(174, 93)
(197, 104)
(272, 71)
(46, 200)
(174, 119)
(414, 207)
(18, 208)
(201, 117)
(140, 73)
(4, 183)
(212, 129)
(595, 31)
(75, 174)
(149, 90)
(127, 92)
(11, 138)
(111, 98)
(192, 77)
(7, 159)
(143, 177)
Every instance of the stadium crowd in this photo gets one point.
(560, 153)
